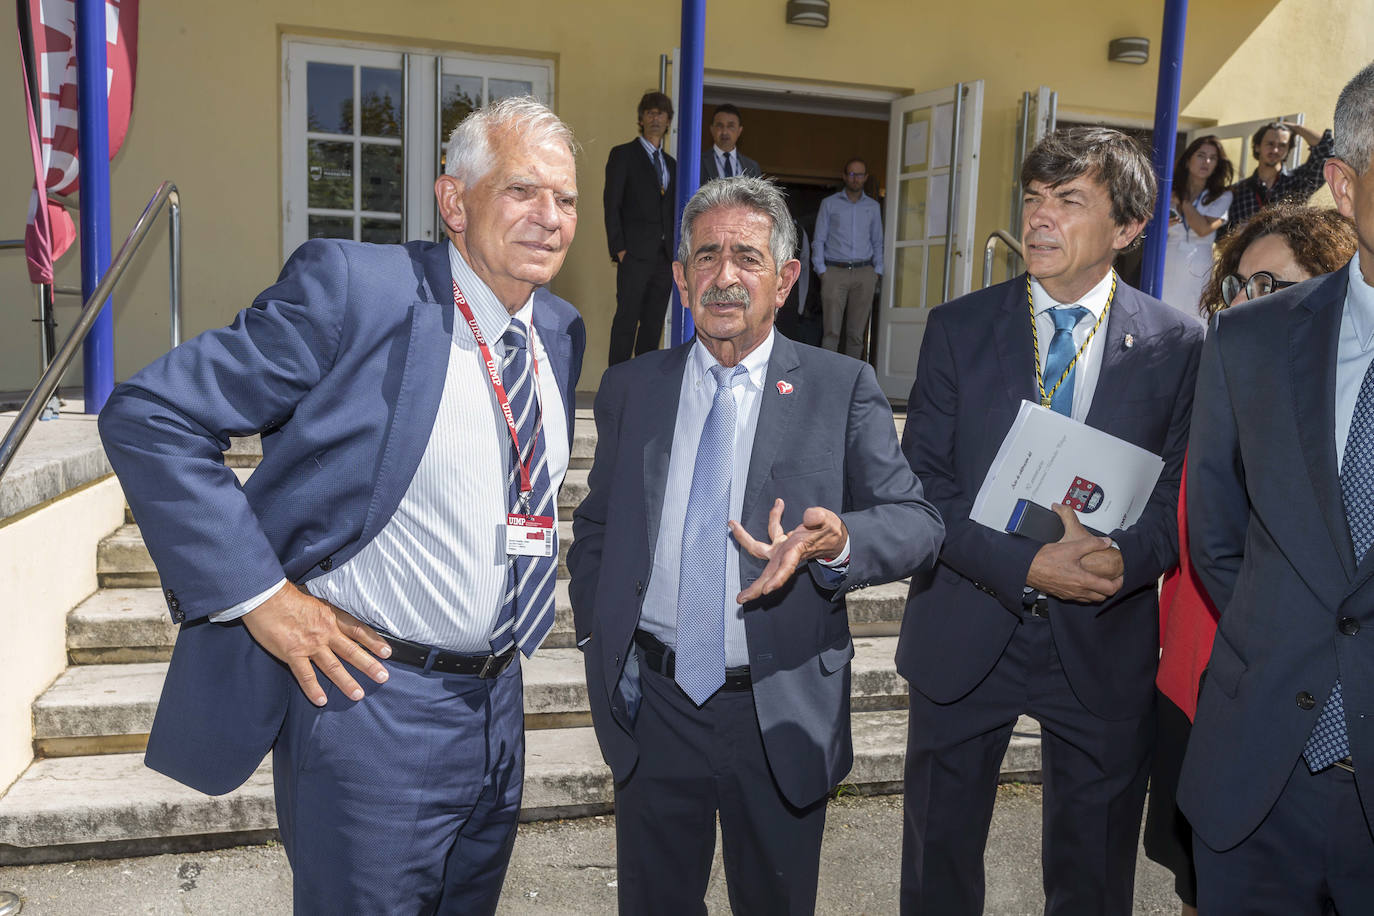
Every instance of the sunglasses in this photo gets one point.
(1261, 283)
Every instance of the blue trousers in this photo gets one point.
(406, 801)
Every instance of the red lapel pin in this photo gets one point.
(784, 387)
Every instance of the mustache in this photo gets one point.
(731, 294)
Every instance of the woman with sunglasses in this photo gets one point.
(1198, 208)
(1281, 246)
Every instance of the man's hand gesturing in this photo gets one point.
(821, 534)
(303, 632)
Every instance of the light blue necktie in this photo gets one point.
(1329, 741)
(700, 670)
(527, 611)
(1061, 353)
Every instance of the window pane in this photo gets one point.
(381, 103)
(908, 277)
(331, 175)
(381, 231)
(500, 89)
(329, 88)
(331, 227)
(462, 94)
(381, 181)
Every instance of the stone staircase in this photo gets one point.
(88, 794)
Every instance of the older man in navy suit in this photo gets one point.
(414, 403)
(718, 674)
(1066, 632)
(1278, 781)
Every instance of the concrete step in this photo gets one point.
(117, 625)
(108, 709)
(122, 559)
(80, 807)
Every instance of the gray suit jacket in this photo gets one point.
(828, 440)
(1269, 539)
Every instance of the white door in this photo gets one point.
(932, 195)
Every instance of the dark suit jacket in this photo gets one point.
(1270, 542)
(747, 166)
(976, 366)
(639, 220)
(829, 442)
(340, 365)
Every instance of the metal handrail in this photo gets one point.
(166, 195)
(11, 243)
(990, 248)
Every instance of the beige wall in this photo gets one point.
(47, 567)
(208, 109)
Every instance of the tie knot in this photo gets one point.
(1066, 319)
(727, 376)
(515, 337)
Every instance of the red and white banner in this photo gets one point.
(53, 39)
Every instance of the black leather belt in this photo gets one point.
(849, 265)
(660, 658)
(445, 662)
(1040, 607)
(1345, 763)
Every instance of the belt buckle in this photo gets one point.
(487, 664)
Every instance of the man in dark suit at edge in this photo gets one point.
(1066, 632)
(640, 197)
(1278, 780)
(723, 159)
(718, 674)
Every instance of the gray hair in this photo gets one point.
(1354, 125)
(752, 193)
(468, 155)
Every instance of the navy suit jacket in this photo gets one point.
(747, 166)
(830, 441)
(977, 364)
(340, 366)
(1269, 539)
(639, 219)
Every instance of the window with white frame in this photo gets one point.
(364, 130)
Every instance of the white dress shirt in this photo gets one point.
(1354, 351)
(650, 150)
(1089, 363)
(436, 571)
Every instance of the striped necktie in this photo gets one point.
(700, 665)
(528, 609)
(658, 170)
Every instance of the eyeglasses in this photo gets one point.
(1261, 283)
(856, 174)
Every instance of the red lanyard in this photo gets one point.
(494, 374)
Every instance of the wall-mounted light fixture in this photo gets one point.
(809, 12)
(1128, 50)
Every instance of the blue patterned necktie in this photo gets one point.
(1061, 353)
(527, 611)
(700, 670)
(1329, 741)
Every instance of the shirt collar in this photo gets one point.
(1359, 303)
(700, 361)
(845, 197)
(491, 315)
(1094, 301)
(648, 147)
(720, 152)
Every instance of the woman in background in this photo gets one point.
(1281, 246)
(1198, 208)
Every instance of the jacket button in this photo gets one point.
(1349, 626)
(327, 564)
(1306, 700)
(639, 588)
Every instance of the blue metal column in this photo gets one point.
(93, 140)
(1166, 129)
(691, 62)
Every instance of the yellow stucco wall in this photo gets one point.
(208, 109)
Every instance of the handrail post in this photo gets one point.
(174, 253)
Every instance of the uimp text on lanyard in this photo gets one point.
(494, 374)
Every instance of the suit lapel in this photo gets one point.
(776, 418)
(1015, 347)
(1314, 331)
(430, 339)
(558, 345)
(661, 422)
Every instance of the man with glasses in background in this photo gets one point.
(847, 253)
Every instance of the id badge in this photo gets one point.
(529, 535)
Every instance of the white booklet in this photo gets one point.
(1049, 458)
